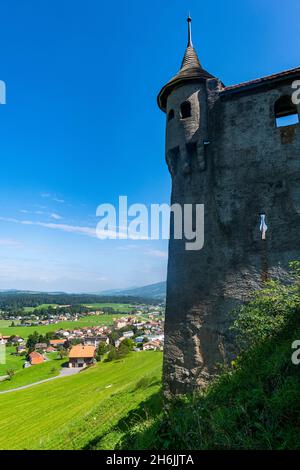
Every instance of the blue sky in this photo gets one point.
(81, 125)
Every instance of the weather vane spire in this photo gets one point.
(190, 41)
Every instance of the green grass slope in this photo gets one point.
(33, 374)
(85, 411)
(12, 361)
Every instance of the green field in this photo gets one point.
(99, 305)
(91, 320)
(33, 374)
(117, 307)
(39, 307)
(85, 411)
(4, 323)
(12, 362)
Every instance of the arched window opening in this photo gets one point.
(171, 115)
(286, 113)
(185, 110)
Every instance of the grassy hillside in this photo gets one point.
(253, 405)
(12, 362)
(90, 320)
(33, 374)
(88, 410)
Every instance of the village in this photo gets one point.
(83, 346)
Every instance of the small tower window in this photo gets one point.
(185, 110)
(286, 113)
(171, 115)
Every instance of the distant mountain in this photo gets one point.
(31, 292)
(153, 291)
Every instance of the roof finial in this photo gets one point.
(189, 20)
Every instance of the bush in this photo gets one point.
(268, 312)
(112, 355)
(10, 373)
(101, 351)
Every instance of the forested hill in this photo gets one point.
(151, 291)
(19, 299)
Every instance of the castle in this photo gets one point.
(235, 149)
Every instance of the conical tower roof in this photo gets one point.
(191, 70)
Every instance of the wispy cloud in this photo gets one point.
(56, 199)
(89, 231)
(55, 216)
(53, 197)
(113, 233)
(52, 215)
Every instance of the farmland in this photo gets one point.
(79, 412)
(97, 306)
(117, 307)
(39, 307)
(90, 320)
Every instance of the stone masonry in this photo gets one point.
(224, 150)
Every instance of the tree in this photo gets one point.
(62, 353)
(12, 323)
(10, 373)
(74, 341)
(50, 335)
(112, 355)
(114, 335)
(101, 351)
(129, 343)
(32, 340)
(123, 350)
(43, 339)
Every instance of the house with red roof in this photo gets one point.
(36, 358)
(82, 355)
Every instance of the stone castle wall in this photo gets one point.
(249, 166)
